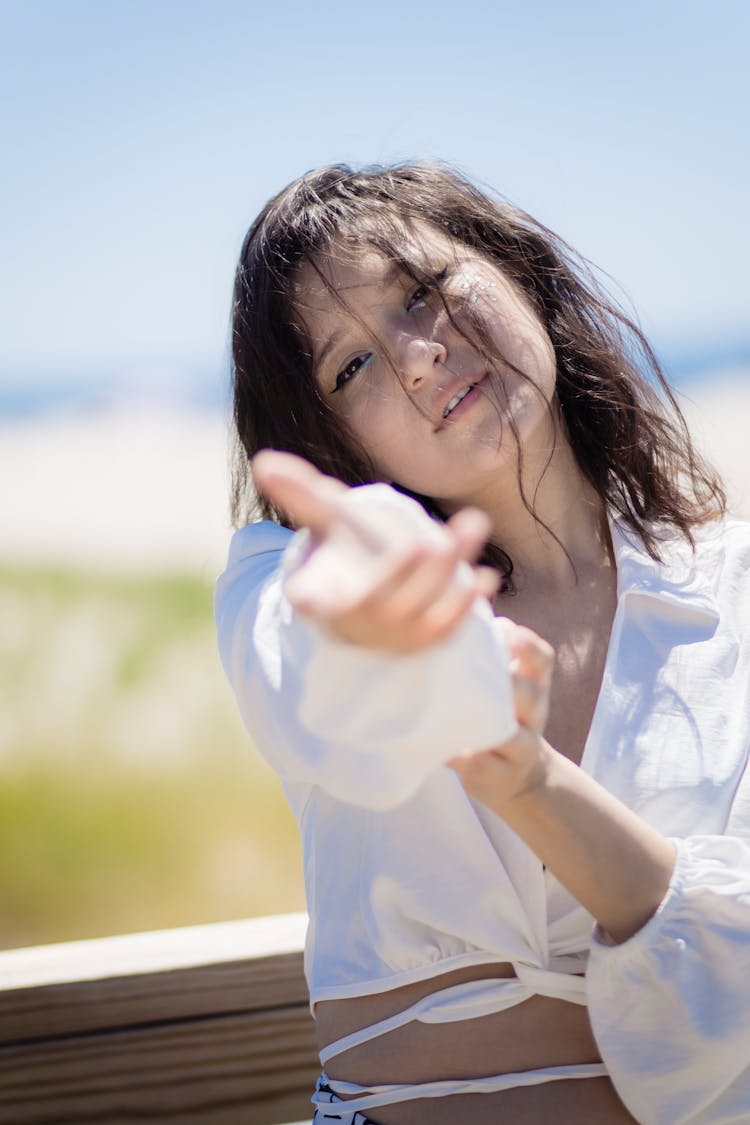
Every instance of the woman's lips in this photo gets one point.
(475, 392)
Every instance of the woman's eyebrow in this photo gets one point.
(332, 342)
(392, 272)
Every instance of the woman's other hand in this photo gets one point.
(375, 575)
(497, 775)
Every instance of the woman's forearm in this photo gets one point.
(611, 861)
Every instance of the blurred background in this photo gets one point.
(140, 138)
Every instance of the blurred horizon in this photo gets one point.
(196, 389)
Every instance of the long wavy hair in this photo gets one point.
(619, 414)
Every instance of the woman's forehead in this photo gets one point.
(347, 265)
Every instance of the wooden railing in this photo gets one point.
(208, 1025)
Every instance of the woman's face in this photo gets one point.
(430, 406)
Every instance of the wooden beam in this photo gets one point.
(256, 1069)
(140, 978)
(205, 1024)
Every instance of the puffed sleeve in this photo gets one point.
(670, 1007)
(367, 726)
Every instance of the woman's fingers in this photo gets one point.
(410, 587)
(531, 656)
(401, 602)
(470, 528)
(294, 485)
(531, 701)
(502, 772)
(432, 589)
(487, 581)
(374, 574)
(531, 664)
(361, 565)
(440, 619)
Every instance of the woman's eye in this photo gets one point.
(420, 296)
(353, 367)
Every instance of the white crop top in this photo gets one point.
(408, 878)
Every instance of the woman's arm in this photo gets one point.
(668, 980)
(610, 860)
(306, 646)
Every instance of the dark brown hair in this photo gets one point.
(621, 418)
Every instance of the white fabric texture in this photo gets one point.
(316, 703)
(408, 878)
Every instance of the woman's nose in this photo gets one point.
(419, 358)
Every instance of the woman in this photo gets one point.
(557, 926)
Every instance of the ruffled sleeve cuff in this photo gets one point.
(670, 1007)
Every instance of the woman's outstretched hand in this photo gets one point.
(375, 576)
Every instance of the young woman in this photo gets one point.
(525, 859)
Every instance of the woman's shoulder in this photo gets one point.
(257, 539)
(256, 554)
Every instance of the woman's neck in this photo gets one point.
(568, 534)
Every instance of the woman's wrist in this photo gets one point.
(535, 777)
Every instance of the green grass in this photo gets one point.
(130, 796)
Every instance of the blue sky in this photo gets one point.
(141, 138)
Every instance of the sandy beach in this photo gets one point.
(146, 488)
(128, 489)
(718, 413)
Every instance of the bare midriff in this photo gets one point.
(540, 1032)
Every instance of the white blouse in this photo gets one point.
(408, 878)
